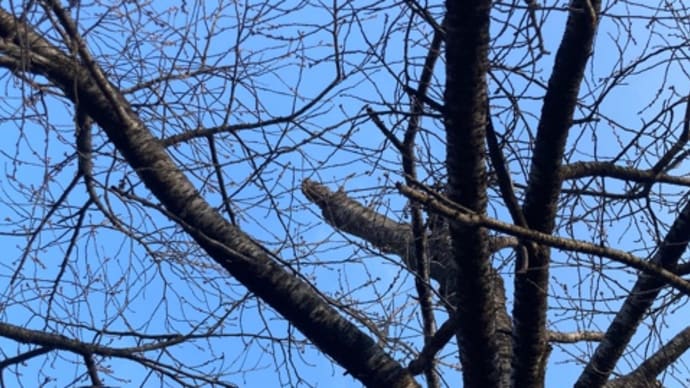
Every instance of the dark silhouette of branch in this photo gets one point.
(248, 262)
(543, 189)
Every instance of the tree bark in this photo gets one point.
(543, 190)
(23, 50)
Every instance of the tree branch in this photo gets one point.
(419, 232)
(637, 303)
(645, 375)
(464, 117)
(609, 170)
(349, 216)
(543, 190)
(250, 263)
(462, 215)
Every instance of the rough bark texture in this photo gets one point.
(467, 44)
(544, 187)
(495, 350)
(385, 234)
(23, 50)
(389, 236)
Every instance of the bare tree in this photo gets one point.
(196, 193)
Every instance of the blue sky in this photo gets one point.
(169, 289)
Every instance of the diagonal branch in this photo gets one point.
(645, 374)
(23, 50)
(349, 216)
(409, 164)
(646, 288)
(505, 185)
(53, 342)
(385, 234)
(21, 358)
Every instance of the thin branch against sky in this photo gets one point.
(252, 99)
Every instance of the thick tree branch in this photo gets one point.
(349, 216)
(22, 50)
(433, 346)
(543, 190)
(92, 369)
(464, 117)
